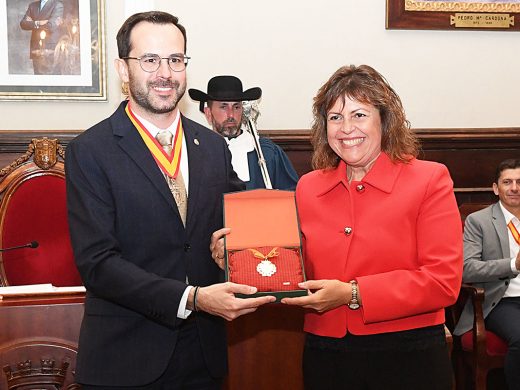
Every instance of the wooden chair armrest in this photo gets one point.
(476, 294)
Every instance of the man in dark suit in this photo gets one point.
(492, 261)
(154, 305)
(44, 19)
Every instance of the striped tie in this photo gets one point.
(177, 186)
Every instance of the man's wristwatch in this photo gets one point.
(354, 301)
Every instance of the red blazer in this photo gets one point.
(404, 247)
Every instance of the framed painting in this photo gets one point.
(501, 15)
(52, 50)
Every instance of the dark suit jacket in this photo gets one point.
(53, 12)
(487, 263)
(134, 253)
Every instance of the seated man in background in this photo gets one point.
(492, 261)
(224, 113)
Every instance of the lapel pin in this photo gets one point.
(196, 141)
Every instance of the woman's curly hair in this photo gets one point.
(367, 86)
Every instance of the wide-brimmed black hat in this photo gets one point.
(224, 89)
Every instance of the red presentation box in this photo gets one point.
(264, 246)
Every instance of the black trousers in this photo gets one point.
(408, 360)
(504, 320)
(186, 369)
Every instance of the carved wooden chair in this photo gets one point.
(479, 349)
(33, 216)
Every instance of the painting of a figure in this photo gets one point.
(43, 37)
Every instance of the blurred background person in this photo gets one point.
(382, 244)
(224, 112)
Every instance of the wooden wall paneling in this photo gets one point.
(471, 155)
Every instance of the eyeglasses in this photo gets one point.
(151, 62)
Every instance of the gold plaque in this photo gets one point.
(472, 20)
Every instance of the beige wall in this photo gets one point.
(289, 48)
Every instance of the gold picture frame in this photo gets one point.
(52, 54)
(498, 15)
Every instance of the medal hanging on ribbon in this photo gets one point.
(265, 267)
(169, 165)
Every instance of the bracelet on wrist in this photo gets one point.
(195, 298)
(354, 303)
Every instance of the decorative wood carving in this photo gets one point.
(46, 375)
(45, 154)
(35, 352)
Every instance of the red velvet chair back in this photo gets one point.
(33, 208)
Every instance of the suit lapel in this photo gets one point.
(501, 228)
(133, 145)
(197, 171)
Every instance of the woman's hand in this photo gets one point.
(323, 295)
(217, 246)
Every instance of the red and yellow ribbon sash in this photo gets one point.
(514, 231)
(260, 255)
(169, 164)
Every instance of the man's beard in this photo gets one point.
(142, 95)
(227, 131)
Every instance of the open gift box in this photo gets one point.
(264, 247)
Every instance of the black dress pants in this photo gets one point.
(408, 360)
(186, 369)
(504, 320)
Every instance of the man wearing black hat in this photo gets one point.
(224, 112)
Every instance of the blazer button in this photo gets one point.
(507, 283)
(360, 188)
(348, 231)
(187, 247)
(493, 304)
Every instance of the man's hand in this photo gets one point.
(323, 295)
(219, 299)
(517, 261)
(217, 246)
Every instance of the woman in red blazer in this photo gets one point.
(382, 244)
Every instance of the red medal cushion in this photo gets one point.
(243, 264)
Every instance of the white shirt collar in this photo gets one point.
(507, 215)
(153, 130)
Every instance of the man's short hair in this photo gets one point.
(156, 17)
(510, 163)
